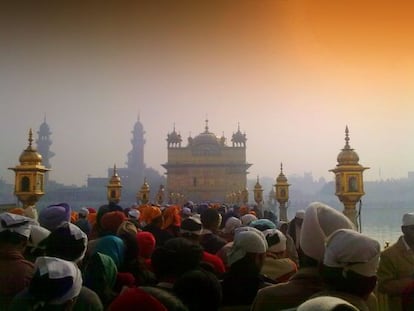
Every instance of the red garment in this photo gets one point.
(136, 299)
(15, 274)
(215, 261)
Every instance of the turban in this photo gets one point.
(52, 216)
(408, 219)
(146, 243)
(136, 299)
(83, 212)
(111, 221)
(16, 223)
(247, 241)
(351, 250)
(134, 213)
(320, 221)
(300, 214)
(61, 278)
(262, 224)
(276, 240)
(17, 211)
(247, 219)
(243, 210)
(172, 216)
(149, 213)
(231, 224)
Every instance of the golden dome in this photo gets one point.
(347, 156)
(281, 178)
(30, 156)
(115, 179)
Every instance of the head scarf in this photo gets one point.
(191, 225)
(273, 235)
(146, 244)
(16, 223)
(351, 250)
(62, 278)
(247, 241)
(38, 234)
(408, 219)
(127, 227)
(67, 241)
(100, 268)
(112, 246)
(320, 221)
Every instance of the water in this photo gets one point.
(380, 223)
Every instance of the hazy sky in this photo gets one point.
(293, 73)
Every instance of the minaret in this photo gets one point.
(43, 145)
(135, 163)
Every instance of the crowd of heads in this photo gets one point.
(191, 257)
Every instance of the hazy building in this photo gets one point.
(43, 143)
(206, 169)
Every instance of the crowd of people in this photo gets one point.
(202, 257)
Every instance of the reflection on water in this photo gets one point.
(380, 223)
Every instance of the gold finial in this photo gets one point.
(30, 138)
(347, 138)
(206, 127)
(281, 168)
(115, 171)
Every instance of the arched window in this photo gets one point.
(25, 184)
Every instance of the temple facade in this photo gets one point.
(206, 169)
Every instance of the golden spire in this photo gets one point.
(347, 138)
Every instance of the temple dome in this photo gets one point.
(30, 154)
(206, 138)
(347, 156)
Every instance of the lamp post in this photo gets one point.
(348, 179)
(282, 194)
(258, 197)
(143, 193)
(29, 177)
(114, 187)
(160, 195)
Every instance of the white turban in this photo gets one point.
(16, 223)
(351, 250)
(320, 221)
(57, 268)
(37, 235)
(279, 246)
(246, 241)
(231, 224)
(248, 218)
(408, 219)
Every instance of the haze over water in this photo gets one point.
(292, 72)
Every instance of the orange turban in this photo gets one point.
(172, 216)
(149, 213)
(243, 210)
(111, 221)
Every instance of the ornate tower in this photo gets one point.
(114, 188)
(348, 179)
(29, 176)
(43, 143)
(135, 163)
(282, 193)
